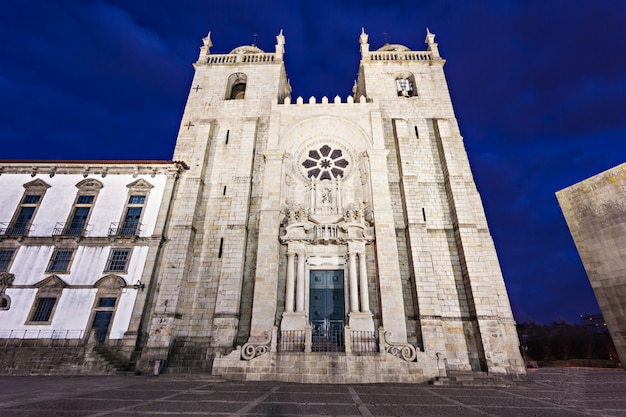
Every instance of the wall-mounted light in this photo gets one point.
(139, 285)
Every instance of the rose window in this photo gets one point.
(325, 163)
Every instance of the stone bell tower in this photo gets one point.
(455, 298)
(212, 232)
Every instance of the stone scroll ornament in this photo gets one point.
(402, 350)
(253, 349)
(6, 280)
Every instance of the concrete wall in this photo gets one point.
(595, 211)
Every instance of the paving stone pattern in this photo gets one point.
(550, 392)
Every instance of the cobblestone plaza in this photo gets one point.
(549, 392)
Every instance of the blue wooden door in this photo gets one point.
(327, 309)
(101, 322)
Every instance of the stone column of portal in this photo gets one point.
(290, 282)
(300, 283)
(354, 289)
(358, 320)
(295, 320)
(365, 297)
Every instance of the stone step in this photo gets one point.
(473, 379)
(190, 375)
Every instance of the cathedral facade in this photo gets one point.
(326, 241)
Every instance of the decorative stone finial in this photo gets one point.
(364, 36)
(205, 49)
(207, 40)
(280, 46)
(432, 45)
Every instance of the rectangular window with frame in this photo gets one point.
(6, 256)
(118, 260)
(60, 261)
(44, 308)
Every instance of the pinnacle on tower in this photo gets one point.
(280, 46)
(205, 49)
(365, 47)
(432, 45)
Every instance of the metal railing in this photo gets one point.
(125, 229)
(71, 229)
(43, 338)
(7, 230)
(328, 338)
(291, 341)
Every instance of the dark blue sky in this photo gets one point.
(539, 89)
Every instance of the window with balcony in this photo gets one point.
(77, 222)
(132, 218)
(22, 219)
(133, 211)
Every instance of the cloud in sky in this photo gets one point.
(539, 89)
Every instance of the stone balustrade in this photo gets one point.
(238, 58)
(400, 56)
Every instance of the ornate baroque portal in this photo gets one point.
(326, 228)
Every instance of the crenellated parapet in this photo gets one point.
(337, 100)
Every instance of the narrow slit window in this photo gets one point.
(224, 192)
(417, 135)
(227, 134)
(219, 253)
(424, 213)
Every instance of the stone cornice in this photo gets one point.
(92, 167)
(74, 241)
